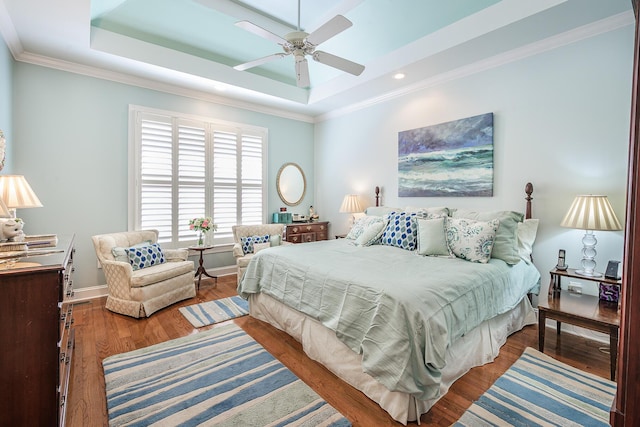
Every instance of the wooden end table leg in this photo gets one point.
(542, 321)
(201, 270)
(613, 350)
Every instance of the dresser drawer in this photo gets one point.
(66, 355)
(307, 232)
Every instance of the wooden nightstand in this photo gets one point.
(582, 310)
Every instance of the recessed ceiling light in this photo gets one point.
(398, 76)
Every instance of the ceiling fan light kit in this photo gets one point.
(301, 44)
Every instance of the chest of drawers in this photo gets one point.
(38, 337)
(303, 232)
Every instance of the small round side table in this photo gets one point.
(201, 270)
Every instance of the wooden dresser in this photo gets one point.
(302, 232)
(37, 336)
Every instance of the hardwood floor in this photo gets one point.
(101, 333)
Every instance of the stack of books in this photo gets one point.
(30, 244)
(41, 241)
(13, 246)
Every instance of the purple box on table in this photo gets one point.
(609, 292)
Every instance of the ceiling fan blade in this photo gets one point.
(259, 31)
(338, 62)
(255, 63)
(332, 27)
(302, 71)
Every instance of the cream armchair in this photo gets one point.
(240, 231)
(139, 293)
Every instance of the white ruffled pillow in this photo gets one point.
(371, 234)
(362, 224)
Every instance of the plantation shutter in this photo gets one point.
(192, 194)
(251, 185)
(188, 168)
(156, 186)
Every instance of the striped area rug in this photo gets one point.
(539, 390)
(218, 377)
(215, 311)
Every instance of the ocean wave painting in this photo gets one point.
(452, 159)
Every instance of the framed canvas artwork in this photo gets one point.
(452, 159)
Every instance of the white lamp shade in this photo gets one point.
(4, 211)
(16, 193)
(591, 213)
(350, 204)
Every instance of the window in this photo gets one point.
(185, 167)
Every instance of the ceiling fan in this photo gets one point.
(300, 44)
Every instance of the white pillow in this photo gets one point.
(471, 240)
(527, 231)
(428, 212)
(432, 240)
(371, 234)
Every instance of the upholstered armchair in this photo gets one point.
(141, 292)
(240, 231)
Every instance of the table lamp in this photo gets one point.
(590, 213)
(16, 193)
(350, 204)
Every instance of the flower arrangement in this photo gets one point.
(202, 226)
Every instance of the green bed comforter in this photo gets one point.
(399, 310)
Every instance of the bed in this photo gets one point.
(399, 322)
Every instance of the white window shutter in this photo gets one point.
(188, 168)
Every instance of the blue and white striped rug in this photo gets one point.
(539, 390)
(218, 377)
(215, 311)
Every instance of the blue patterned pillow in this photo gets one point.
(247, 242)
(145, 256)
(401, 230)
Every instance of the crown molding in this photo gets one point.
(9, 33)
(581, 33)
(149, 83)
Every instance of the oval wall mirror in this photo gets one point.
(291, 184)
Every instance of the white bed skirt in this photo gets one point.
(478, 347)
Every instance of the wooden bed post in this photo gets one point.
(529, 190)
(377, 196)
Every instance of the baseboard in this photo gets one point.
(93, 292)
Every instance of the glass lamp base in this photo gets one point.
(588, 273)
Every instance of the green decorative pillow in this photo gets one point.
(432, 240)
(506, 243)
(471, 240)
(145, 256)
(121, 254)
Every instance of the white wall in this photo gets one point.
(70, 141)
(6, 81)
(561, 121)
